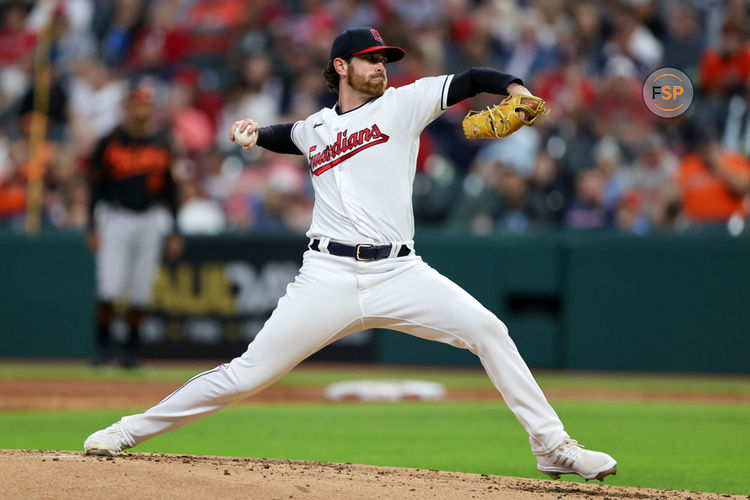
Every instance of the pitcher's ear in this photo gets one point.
(340, 65)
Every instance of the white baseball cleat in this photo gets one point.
(571, 458)
(106, 442)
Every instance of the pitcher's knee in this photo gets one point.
(502, 329)
(492, 331)
(492, 326)
(248, 376)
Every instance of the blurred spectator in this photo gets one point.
(629, 216)
(16, 41)
(56, 113)
(307, 92)
(118, 38)
(75, 198)
(726, 69)
(585, 38)
(14, 180)
(271, 197)
(516, 214)
(71, 36)
(284, 205)
(14, 82)
(480, 199)
(517, 151)
(161, 43)
(418, 13)
(4, 153)
(587, 210)
(608, 159)
(78, 14)
(355, 13)
(218, 174)
(191, 127)
(549, 192)
(66, 197)
(648, 13)
(198, 213)
(633, 40)
(257, 95)
(95, 103)
(714, 183)
(567, 89)
(736, 135)
(620, 111)
(530, 53)
(684, 41)
(650, 183)
(13, 184)
(436, 183)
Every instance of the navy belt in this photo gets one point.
(362, 251)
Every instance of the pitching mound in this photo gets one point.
(65, 474)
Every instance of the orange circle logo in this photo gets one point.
(668, 92)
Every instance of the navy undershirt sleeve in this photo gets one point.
(477, 80)
(278, 138)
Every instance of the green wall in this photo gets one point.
(46, 295)
(598, 301)
(658, 303)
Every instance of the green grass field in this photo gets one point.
(694, 446)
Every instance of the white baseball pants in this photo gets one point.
(336, 296)
(130, 247)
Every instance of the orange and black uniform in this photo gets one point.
(131, 175)
(133, 172)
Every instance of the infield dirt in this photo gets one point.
(21, 394)
(65, 474)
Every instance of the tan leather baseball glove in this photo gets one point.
(503, 119)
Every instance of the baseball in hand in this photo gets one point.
(244, 138)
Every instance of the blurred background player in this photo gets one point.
(131, 189)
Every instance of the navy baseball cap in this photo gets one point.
(358, 41)
(142, 89)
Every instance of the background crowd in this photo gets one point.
(599, 161)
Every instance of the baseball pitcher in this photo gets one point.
(361, 269)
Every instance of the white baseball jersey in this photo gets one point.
(363, 163)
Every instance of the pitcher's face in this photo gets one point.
(366, 73)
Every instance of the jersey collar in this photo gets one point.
(337, 109)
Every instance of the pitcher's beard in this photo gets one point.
(363, 84)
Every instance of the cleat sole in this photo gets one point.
(605, 473)
(101, 452)
(600, 476)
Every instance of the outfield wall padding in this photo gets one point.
(577, 301)
(46, 295)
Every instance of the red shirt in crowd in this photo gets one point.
(718, 71)
(14, 45)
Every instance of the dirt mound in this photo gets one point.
(65, 474)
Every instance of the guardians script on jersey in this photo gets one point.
(345, 147)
